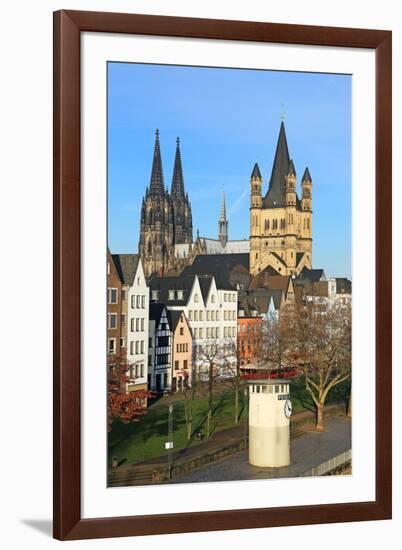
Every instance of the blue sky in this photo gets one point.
(227, 120)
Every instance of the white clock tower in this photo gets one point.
(269, 423)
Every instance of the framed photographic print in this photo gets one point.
(222, 205)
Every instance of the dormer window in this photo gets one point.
(180, 295)
(155, 295)
(171, 294)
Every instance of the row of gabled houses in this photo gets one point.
(169, 327)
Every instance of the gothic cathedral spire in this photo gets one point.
(156, 186)
(177, 191)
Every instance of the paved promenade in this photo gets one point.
(307, 451)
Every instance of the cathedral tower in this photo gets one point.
(182, 219)
(280, 223)
(165, 218)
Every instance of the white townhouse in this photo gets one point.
(137, 319)
(210, 309)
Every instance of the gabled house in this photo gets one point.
(182, 350)
(134, 318)
(159, 350)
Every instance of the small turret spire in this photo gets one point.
(223, 223)
(223, 207)
(306, 175)
(256, 172)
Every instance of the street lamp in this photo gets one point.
(169, 442)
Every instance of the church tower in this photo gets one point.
(182, 218)
(280, 223)
(223, 224)
(157, 221)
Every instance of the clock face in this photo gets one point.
(287, 409)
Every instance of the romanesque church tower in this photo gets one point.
(280, 223)
(165, 217)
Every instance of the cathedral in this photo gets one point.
(165, 217)
(280, 222)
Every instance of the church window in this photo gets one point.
(149, 247)
(308, 223)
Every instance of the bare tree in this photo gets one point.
(322, 349)
(189, 395)
(210, 359)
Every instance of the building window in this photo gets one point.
(142, 323)
(208, 315)
(123, 319)
(155, 295)
(142, 370)
(176, 365)
(201, 315)
(108, 268)
(213, 298)
(171, 294)
(185, 364)
(180, 295)
(212, 315)
(196, 298)
(122, 343)
(150, 342)
(195, 315)
(131, 348)
(136, 347)
(143, 302)
(112, 321)
(138, 300)
(112, 295)
(196, 333)
(181, 331)
(142, 346)
(137, 324)
(217, 315)
(190, 315)
(112, 345)
(200, 333)
(133, 302)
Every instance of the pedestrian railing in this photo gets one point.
(329, 465)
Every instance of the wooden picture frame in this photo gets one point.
(68, 25)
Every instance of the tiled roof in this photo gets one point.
(126, 265)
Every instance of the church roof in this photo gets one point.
(178, 180)
(126, 265)
(275, 197)
(156, 185)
